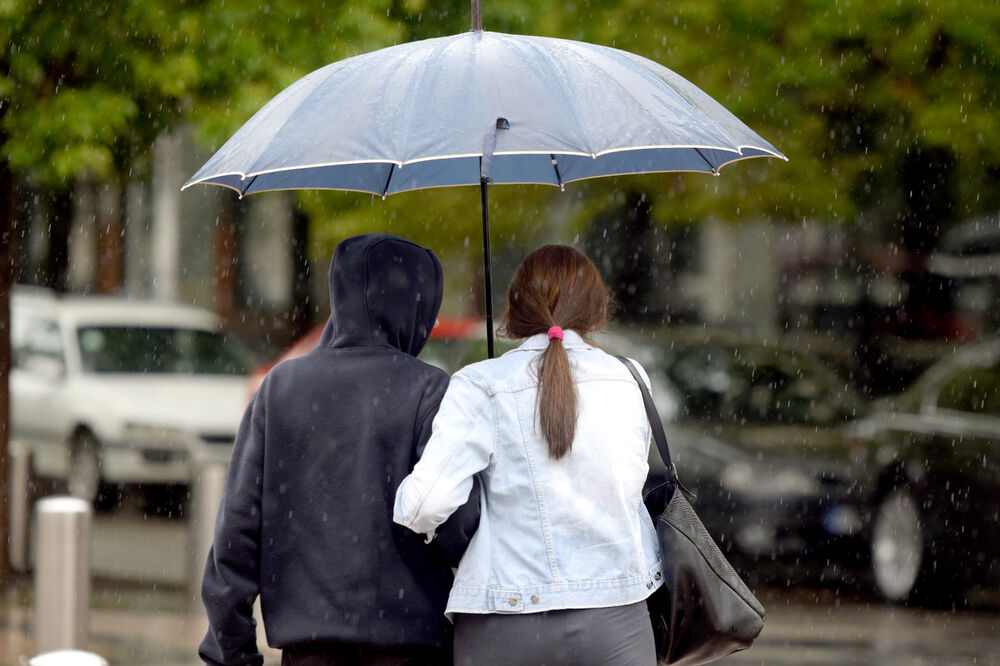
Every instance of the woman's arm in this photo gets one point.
(461, 444)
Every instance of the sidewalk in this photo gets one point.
(141, 609)
(130, 624)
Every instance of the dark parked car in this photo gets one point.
(758, 434)
(934, 453)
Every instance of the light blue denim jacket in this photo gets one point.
(568, 533)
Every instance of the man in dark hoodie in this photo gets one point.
(306, 516)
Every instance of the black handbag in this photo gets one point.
(703, 611)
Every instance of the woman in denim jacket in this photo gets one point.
(566, 553)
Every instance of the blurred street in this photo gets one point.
(142, 613)
(141, 609)
(808, 627)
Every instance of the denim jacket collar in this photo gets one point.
(540, 341)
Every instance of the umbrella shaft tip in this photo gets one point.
(477, 16)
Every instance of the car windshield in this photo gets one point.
(755, 384)
(148, 349)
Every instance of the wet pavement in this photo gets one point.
(134, 624)
(808, 627)
(142, 613)
(131, 624)
(142, 609)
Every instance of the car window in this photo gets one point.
(765, 386)
(35, 339)
(975, 390)
(705, 378)
(758, 385)
(811, 393)
(135, 349)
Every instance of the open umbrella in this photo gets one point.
(479, 108)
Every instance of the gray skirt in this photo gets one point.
(618, 636)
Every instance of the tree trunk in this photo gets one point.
(8, 256)
(110, 239)
(302, 309)
(227, 259)
(56, 264)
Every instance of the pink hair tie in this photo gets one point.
(555, 332)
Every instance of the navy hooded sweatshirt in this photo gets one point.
(306, 516)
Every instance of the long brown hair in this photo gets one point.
(556, 285)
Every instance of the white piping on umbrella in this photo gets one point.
(439, 187)
(402, 164)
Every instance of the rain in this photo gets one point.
(820, 324)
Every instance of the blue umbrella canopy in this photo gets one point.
(532, 109)
(480, 108)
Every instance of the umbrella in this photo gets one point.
(475, 109)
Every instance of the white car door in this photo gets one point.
(37, 382)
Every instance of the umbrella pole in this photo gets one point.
(487, 265)
(477, 16)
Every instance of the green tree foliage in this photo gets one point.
(852, 92)
(87, 86)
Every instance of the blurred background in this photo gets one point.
(821, 333)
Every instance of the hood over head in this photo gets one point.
(385, 291)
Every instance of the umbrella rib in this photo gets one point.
(247, 188)
(392, 169)
(714, 169)
(555, 167)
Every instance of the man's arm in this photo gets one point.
(232, 573)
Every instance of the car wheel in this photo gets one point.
(83, 479)
(897, 545)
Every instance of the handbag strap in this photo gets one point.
(659, 436)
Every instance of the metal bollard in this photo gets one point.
(19, 501)
(206, 495)
(67, 658)
(62, 573)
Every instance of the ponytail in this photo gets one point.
(557, 404)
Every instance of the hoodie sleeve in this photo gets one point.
(231, 580)
(429, 405)
(461, 445)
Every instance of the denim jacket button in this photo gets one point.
(534, 598)
(658, 575)
(512, 601)
(649, 586)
